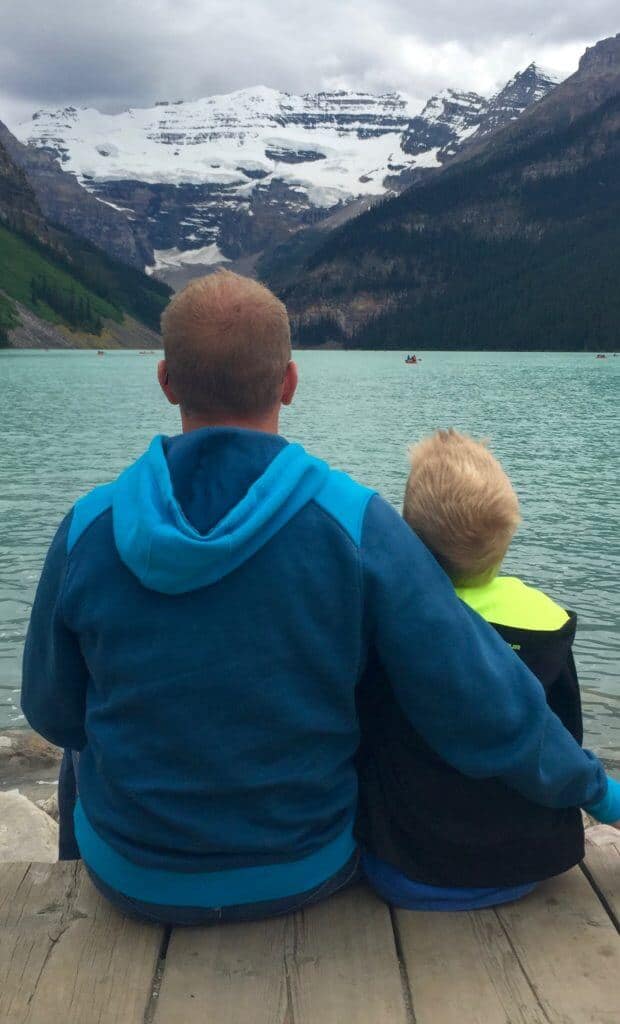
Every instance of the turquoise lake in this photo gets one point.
(71, 420)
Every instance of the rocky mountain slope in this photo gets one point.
(451, 120)
(58, 290)
(230, 176)
(65, 202)
(514, 244)
(19, 209)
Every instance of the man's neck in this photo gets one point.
(267, 424)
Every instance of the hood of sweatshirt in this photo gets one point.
(196, 507)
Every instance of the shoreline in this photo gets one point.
(28, 763)
(152, 343)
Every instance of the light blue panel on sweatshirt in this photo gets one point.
(86, 510)
(346, 501)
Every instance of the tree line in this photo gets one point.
(75, 308)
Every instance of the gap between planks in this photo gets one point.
(333, 963)
(158, 974)
(602, 868)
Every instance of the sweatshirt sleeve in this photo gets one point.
(459, 684)
(54, 675)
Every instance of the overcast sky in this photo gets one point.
(117, 53)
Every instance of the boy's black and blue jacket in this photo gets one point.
(198, 633)
(435, 825)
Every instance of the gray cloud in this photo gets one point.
(127, 52)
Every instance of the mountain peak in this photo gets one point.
(602, 58)
(540, 71)
(531, 84)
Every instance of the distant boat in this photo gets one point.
(601, 355)
(100, 352)
(412, 360)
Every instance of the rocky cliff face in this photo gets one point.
(18, 206)
(601, 59)
(65, 202)
(451, 119)
(596, 80)
(227, 176)
(57, 289)
(447, 120)
(521, 92)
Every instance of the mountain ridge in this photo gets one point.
(515, 243)
(235, 175)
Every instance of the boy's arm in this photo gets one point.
(457, 681)
(54, 675)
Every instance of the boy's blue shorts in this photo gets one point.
(400, 891)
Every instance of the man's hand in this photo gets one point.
(606, 810)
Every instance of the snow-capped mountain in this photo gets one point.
(228, 176)
(447, 120)
(323, 143)
(451, 118)
(527, 87)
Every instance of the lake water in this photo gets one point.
(71, 420)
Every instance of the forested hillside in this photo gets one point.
(516, 247)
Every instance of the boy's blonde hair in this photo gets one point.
(461, 504)
(227, 343)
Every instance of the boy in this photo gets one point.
(435, 839)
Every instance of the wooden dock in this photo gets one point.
(66, 957)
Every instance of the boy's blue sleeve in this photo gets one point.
(54, 675)
(458, 682)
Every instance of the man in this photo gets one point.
(202, 622)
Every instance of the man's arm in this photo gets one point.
(459, 684)
(54, 674)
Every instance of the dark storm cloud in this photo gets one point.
(115, 54)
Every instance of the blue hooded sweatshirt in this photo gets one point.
(198, 633)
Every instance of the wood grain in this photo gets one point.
(225, 974)
(343, 965)
(332, 964)
(66, 956)
(462, 969)
(569, 949)
(602, 866)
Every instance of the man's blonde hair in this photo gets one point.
(461, 504)
(227, 344)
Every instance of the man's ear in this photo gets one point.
(289, 385)
(162, 377)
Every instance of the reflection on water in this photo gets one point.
(71, 420)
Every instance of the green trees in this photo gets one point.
(76, 309)
(72, 283)
(519, 248)
(119, 285)
(7, 320)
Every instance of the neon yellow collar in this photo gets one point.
(507, 601)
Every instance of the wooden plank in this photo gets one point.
(569, 950)
(553, 958)
(66, 954)
(225, 974)
(462, 969)
(331, 964)
(343, 965)
(602, 866)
